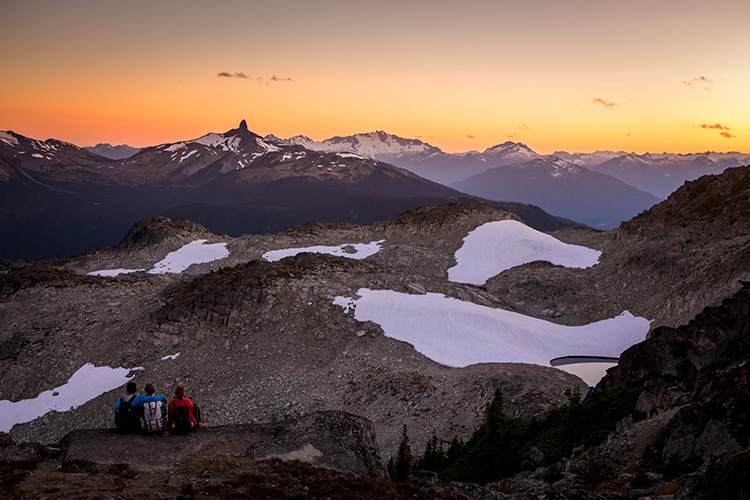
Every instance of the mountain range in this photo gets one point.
(657, 174)
(58, 199)
(113, 152)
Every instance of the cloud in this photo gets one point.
(699, 81)
(715, 126)
(469, 136)
(512, 135)
(603, 102)
(727, 135)
(225, 74)
(256, 80)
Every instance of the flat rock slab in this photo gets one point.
(333, 440)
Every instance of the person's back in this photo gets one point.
(127, 418)
(183, 414)
(152, 408)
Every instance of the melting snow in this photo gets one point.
(84, 385)
(356, 251)
(458, 333)
(8, 139)
(195, 252)
(498, 246)
(113, 272)
(352, 155)
(176, 147)
(217, 140)
(191, 153)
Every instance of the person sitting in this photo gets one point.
(127, 418)
(183, 414)
(152, 408)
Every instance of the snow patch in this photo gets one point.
(191, 153)
(352, 155)
(37, 155)
(84, 385)
(8, 138)
(171, 356)
(176, 147)
(356, 251)
(217, 140)
(497, 246)
(195, 252)
(457, 333)
(113, 272)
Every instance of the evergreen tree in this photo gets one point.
(400, 468)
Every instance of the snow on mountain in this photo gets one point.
(378, 145)
(457, 333)
(195, 252)
(511, 152)
(497, 246)
(355, 251)
(84, 385)
(8, 138)
(589, 159)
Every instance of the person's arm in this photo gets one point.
(192, 414)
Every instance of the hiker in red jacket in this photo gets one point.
(182, 414)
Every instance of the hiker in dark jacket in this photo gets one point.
(127, 418)
(183, 414)
(155, 420)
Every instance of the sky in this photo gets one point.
(579, 76)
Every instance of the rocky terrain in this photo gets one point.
(258, 341)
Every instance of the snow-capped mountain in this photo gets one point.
(377, 145)
(658, 174)
(417, 156)
(561, 187)
(113, 152)
(59, 199)
(662, 174)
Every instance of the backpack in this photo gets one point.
(153, 418)
(126, 420)
(181, 419)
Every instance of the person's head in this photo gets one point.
(179, 392)
(131, 388)
(150, 389)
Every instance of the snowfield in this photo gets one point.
(84, 385)
(458, 333)
(356, 251)
(195, 252)
(497, 246)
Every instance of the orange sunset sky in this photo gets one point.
(642, 76)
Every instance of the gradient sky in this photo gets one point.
(576, 75)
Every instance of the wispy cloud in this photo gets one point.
(226, 74)
(256, 80)
(604, 102)
(727, 135)
(469, 136)
(512, 135)
(715, 126)
(700, 81)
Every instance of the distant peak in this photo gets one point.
(243, 125)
